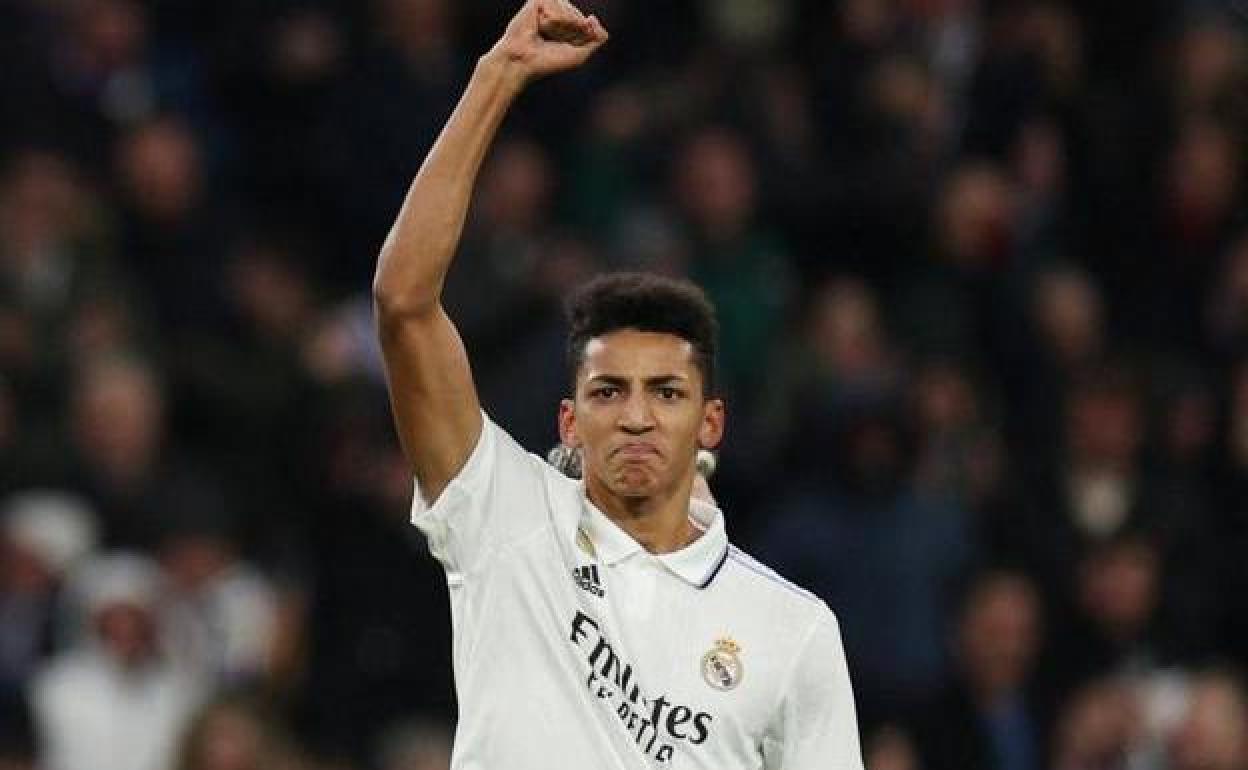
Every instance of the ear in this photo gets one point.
(711, 431)
(567, 424)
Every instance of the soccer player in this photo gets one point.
(606, 622)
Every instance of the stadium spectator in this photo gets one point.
(223, 615)
(114, 701)
(43, 534)
(233, 732)
(1064, 336)
(171, 225)
(890, 748)
(110, 71)
(415, 744)
(743, 267)
(988, 717)
(961, 449)
(1124, 624)
(120, 457)
(57, 277)
(372, 658)
(1100, 729)
(842, 360)
(866, 540)
(1213, 732)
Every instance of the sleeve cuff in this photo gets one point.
(425, 515)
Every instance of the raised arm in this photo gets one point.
(431, 390)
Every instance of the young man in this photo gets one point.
(604, 623)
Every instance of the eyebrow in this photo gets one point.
(662, 379)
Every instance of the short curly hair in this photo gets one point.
(645, 302)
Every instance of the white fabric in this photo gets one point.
(56, 527)
(92, 715)
(118, 577)
(224, 631)
(576, 648)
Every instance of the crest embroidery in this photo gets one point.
(721, 666)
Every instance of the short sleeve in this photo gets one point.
(498, 496)
(817, 726)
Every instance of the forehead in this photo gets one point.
(631, 354)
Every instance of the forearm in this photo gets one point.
(417, 253)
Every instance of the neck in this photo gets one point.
(660, 522)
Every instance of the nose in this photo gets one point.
(636, 416)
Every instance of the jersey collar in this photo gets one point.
(696, 563)
(610, 544)
(699, 562)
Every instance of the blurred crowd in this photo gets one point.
(982, 274)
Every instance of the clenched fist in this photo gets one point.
(548, 36)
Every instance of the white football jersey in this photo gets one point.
(576, 648)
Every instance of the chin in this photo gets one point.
(634, 490)
(632, 486)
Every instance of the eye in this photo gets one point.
(669, 393)
(604, 392)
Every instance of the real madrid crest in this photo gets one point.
(721, 666)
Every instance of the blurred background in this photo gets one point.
(982, 274)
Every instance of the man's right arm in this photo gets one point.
(432, 395)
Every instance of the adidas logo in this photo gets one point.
(587, 579)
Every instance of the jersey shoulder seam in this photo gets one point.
(759, 570)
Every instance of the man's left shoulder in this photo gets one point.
(755, 582)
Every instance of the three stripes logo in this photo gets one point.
(587, 579)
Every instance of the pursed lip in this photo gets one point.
(636, 449)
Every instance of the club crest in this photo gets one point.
(721, 666)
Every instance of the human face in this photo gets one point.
(127, 631)
(639, 415)
(1000, 632)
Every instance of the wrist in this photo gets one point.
(503, 68)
